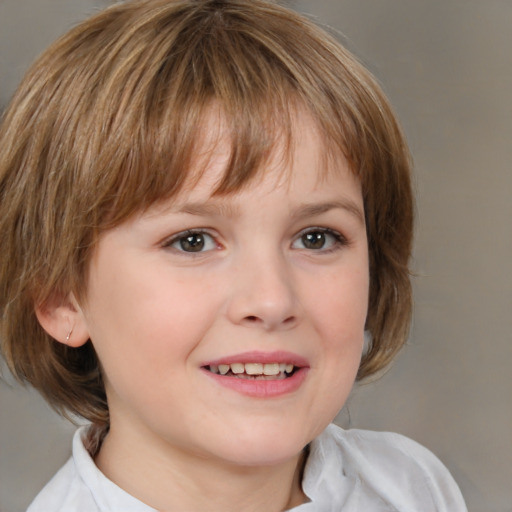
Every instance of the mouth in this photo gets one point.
(260, 375)
(254, 371)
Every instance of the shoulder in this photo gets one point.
(386, 448)
(79, 486)
(65, 492)
(389, 469)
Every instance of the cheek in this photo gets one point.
(342, 305)
(339, 316)
(149, 319)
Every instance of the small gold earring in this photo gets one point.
(69, 334)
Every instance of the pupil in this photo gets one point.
(192, 243)
(314, 240)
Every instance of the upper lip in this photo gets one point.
(261, 357)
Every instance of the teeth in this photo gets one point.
(271, 369)
(256, 369)
(253, 368)
(237, 368)
(223, 369)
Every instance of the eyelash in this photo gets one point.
(181, 237)
(339, 241)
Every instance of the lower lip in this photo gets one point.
(261, 388)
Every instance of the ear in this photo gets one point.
(63, 319)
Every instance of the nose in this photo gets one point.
(264, 294)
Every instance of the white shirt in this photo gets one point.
(346, 471)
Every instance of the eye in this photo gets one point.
(319, 239)
(192, 241)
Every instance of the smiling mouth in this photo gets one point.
(254, 371)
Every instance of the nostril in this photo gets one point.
(269, 321)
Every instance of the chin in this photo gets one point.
(265, 448)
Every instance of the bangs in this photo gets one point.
(143, 117)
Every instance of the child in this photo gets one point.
(204, 206)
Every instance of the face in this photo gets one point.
(231, 327)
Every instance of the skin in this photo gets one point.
(157, 313)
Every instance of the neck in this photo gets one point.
(169, 479)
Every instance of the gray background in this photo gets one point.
(447, 67)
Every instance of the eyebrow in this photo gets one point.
(310, 210)
(221, 208)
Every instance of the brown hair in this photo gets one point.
(106, 122)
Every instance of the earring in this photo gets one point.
(69, 334)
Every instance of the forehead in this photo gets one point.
(295, 152)
(298, 170)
